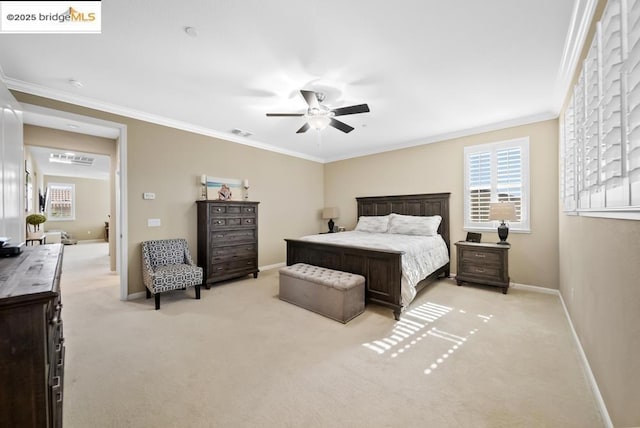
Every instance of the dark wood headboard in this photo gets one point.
(423, 205)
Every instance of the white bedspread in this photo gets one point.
(422, 254)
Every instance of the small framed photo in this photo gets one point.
(473, 237)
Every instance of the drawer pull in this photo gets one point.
(249, 263)
(219, 236)
(56, 382)
(482, 256)
(479, 270)
(219, 222)
(218, 209)
(249, 220)
(219, 268)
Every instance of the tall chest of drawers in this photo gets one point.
(31, 340)
(227, 239)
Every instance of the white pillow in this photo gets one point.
(373, 224)
(414, 225)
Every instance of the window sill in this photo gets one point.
(621, 214)
(494, 230)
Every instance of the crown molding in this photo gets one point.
(41, 91)
(452, 135)
(582, 15)
(62, 96)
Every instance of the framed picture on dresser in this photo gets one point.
(224, 189)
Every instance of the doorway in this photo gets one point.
(56, 121)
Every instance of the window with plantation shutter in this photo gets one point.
(61, 202)
(496, 172)
(600, 130)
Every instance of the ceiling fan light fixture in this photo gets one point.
(319, 122)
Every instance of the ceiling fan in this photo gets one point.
(320, 116)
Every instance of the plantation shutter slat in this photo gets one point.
(479, 186)
(509, 177)
(611, 149)
(632, 75)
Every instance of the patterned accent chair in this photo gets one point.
(167, 265)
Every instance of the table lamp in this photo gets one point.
(330, 213)
(502, 211)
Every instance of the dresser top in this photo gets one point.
(218, 201)
(30, 274)
(484, 244)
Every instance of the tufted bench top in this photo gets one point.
(329, 277)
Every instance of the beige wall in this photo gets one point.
(92, 207)
(72, 141)
(439, 167)
(599, 282)
(169, 163)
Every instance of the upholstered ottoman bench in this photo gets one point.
(332, 293)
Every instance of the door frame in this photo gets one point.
(120, 183)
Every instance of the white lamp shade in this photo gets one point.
(503, 211)
(331, 212)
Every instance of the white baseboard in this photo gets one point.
(535, 288)
(139, 295)
(587, 369)
(274, 266)
(142, 294)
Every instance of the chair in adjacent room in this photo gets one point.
(167, 265)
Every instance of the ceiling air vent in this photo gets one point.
(71, 159)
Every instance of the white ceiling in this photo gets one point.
(99, 170)
(428, 69)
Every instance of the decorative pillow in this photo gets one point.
(414, 225)
(373, 224)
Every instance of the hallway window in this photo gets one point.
(62, 204)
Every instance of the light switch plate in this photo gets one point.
(153, 222)
(148, 195)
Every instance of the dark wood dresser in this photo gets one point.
(227, 239)
(483, 263)
(31, 341)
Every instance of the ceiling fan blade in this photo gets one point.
(284, 114)
(304, 128)
(311, 98)
(341, 126)
(342, 111)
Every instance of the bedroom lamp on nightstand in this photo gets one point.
(330, 213)
(503, 211)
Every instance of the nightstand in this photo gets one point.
(483, 263)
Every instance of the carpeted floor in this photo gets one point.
(240, 357)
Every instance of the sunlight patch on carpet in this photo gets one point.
(423, 323)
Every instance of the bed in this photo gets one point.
(382, 269)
